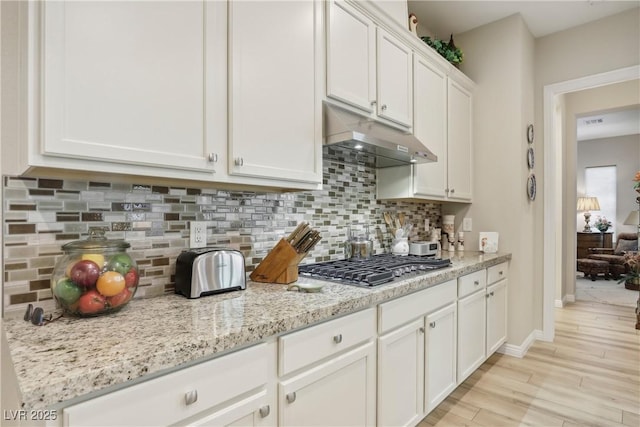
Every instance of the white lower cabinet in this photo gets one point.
(441, 355)
(496, 307)
(401, 375)
(328, 373)
(471, 333)
(227, 390)
(416, 363)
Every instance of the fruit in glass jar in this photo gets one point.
(66, 291)
(121, 298)
(85, 273)
(91, 302)
(121, 263)
(97, 258)
(110, 283)
(131, 278)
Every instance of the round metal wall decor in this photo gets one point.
(530, 134)
(531, 186)
(530, 158)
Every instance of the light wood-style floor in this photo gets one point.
(589, 376)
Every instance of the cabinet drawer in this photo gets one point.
(310, 345)
(472, 282)
(497, 272)
(402, 310)
(163, 400)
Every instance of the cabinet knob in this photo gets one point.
(191, 397)
(264, 411)
(488, 295)
(421, 330)
(337, 339)
(239, 161)
(453, 190)
(291, 397)
(374, 102)
(213, 157)
(491, 293)
(432, 325)
(500, 273)
(476, 282)
(383, 107)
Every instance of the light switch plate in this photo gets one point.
(466, 224)
(198, 234)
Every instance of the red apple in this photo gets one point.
(120, 299)
(91, 302)
(131, 278)
(85, 273)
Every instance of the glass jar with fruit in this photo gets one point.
(95, 276)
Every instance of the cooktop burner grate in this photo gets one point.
(377, 270)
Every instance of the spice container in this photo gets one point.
(95, 276)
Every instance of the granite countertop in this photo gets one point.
(73, 357)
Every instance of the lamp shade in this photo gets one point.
(586, 204)
(632, 219)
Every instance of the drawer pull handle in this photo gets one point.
(421, 330)
(264, 411)
(337, 339)
(291, 397)
(432, 325)
(476, 282)
(191, 397)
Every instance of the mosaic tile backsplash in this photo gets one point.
(40, 215)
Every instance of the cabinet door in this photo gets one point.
(123, 82)
(395, 81)
(459, 142)
(401, 375)
(275, 128)
(440, 355)
(471, 334)
(251, 411)
(496, 316)
(351, 65)
(338, 392)
(430, 126)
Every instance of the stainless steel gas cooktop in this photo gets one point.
(377, 270)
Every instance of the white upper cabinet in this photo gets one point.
(459, 136)
(368, 68)
(124, 82)
(395, 86)
(275, 115)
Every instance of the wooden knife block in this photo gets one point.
(279, 266)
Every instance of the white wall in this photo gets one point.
(503, 107)
(609, 44)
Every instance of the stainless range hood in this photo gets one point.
(391, 146)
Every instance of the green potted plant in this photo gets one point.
(448, 51)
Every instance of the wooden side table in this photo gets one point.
(593, 240)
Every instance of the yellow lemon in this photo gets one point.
(97, 258)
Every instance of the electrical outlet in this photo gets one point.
(198, 234)
(466, 224)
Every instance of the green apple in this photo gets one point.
(66, 291)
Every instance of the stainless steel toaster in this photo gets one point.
(208, 271)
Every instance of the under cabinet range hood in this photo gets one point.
(391, 146)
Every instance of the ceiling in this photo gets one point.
(608, 125)
(442, 18)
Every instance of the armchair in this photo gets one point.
(627, 242)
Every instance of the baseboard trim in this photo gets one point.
(519, 351)
(566, 299)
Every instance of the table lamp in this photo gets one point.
(587, 204)
(634, 219)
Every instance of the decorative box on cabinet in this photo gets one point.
(368, 68)
(592, 240)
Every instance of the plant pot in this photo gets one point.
(632, 284)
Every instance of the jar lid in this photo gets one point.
(96, 241)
